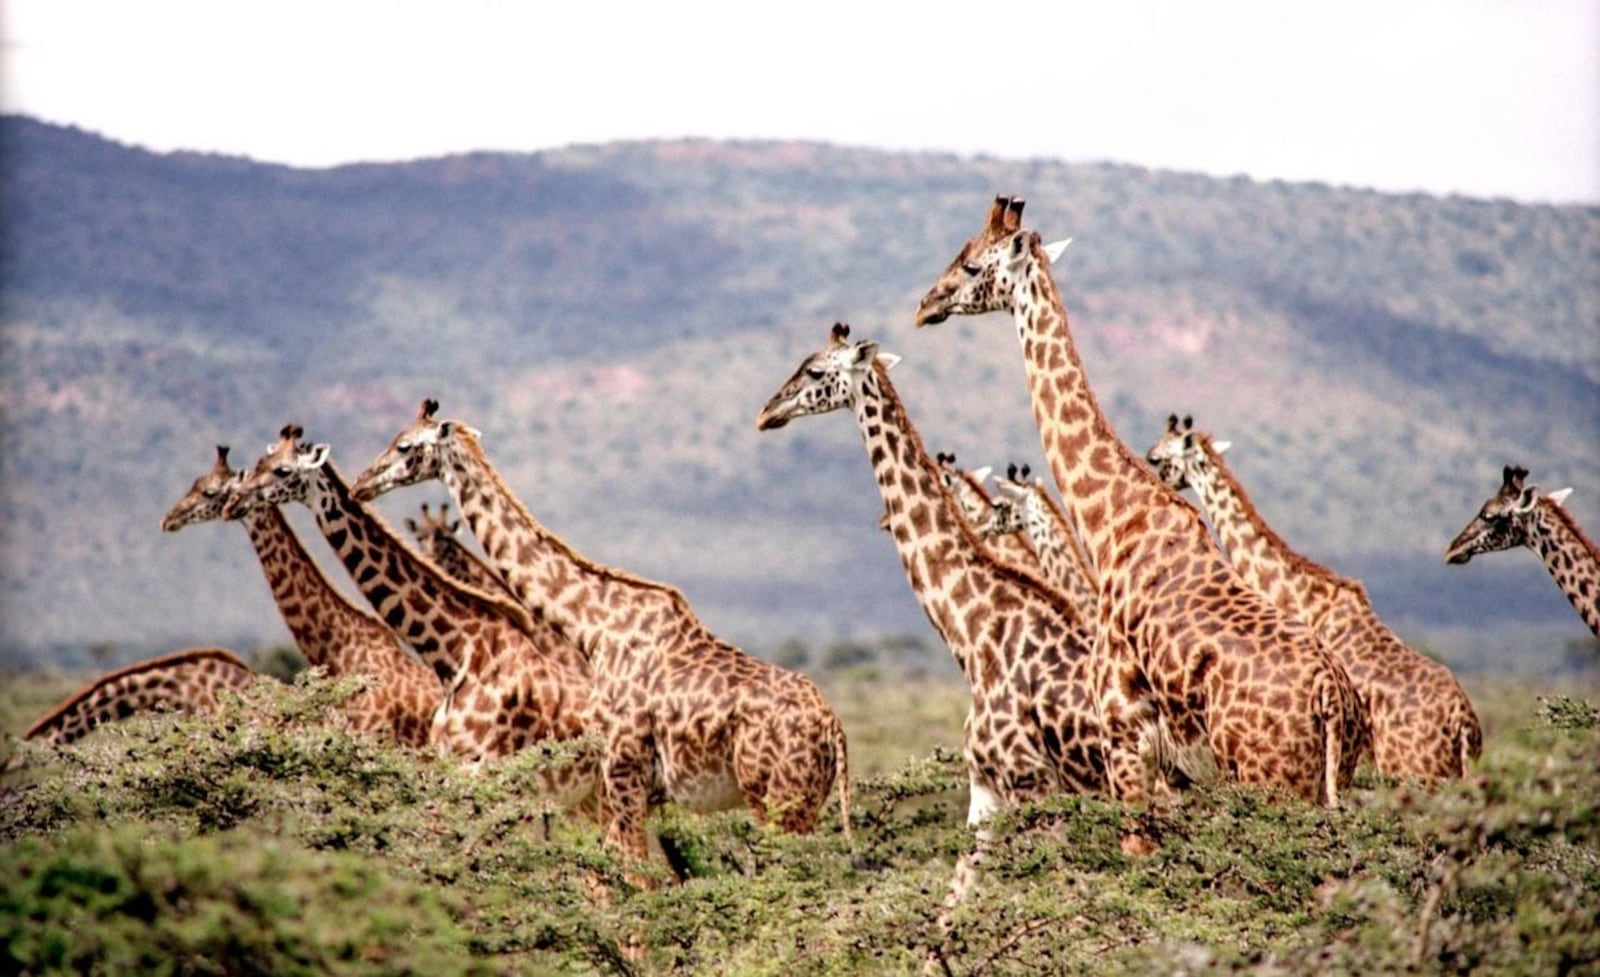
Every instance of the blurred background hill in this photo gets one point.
(612, 317)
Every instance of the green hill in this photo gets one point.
(613, 316)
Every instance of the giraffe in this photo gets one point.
(1517, 515)
(437, 537)
(1031, 729)
(1021, 507)
(184, 681)
(676, 707)
(974, 504)
(1421, 723)
(327, 627)
(511, 681)
(1186, 649)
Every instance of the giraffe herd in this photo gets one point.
(1116, 642)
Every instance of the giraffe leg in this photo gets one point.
(982, 803)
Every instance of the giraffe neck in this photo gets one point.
(1573, 561)
(429, 612)
(1267, 563)
(328, 629)
(601, 610)
(942, 555)
(1109, 493)
(1063, 562)
(464, 565)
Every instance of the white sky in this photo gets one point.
(1482, 97)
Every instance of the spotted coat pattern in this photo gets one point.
(329, 630)
(512, 681)
(1025, 508)
(1187, 652)
(1517, 515)
(975, 505)
(1421, 723)
(184, 681)
(1032, 728)
(681, 714)
(437, 536)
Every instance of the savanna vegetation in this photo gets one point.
(267, 841)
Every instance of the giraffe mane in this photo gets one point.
(1566, 518)
(149, 664)
(1298, 561)
(465, 436)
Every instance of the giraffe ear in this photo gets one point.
(1054, 249)
(1222, 446)
(888, 360)
(315, 457)
(982, 474)
(1559, 496)
(1527, 499)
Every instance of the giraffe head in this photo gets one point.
(826, 380)
(1505, 520)
(415, 455)
(432, 527)
(984, 272)
(284, 474)
(206, 497)
(1178, 456)
(1008, 510)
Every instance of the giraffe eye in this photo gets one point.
(282, 471)
(970, 268)
(815, 373)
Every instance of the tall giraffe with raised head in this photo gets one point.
(184, 681)
(511, 681)
(1031, 729)
(329, 630)
(1422, 724)
(1186, 648)
(676, 708)
(1517, 515)
(437, 536)
(1021, 507)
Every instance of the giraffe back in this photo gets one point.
(184, 681)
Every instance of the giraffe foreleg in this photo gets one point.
(625, 776)
(982, 803)
(1129, 721)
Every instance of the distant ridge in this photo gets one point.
(610, 315)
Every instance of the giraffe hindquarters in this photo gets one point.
(1430, 738)
(786, 764)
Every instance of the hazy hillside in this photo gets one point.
(612, 317)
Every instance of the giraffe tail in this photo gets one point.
(1332, 718)
(156, 684)
(841, 757)
(1470, 734)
